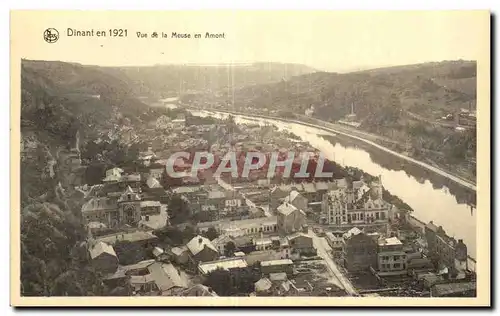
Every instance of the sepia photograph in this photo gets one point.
(251, 158)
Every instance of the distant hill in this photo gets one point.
(173, 79)
(60, 98)
(422, 88)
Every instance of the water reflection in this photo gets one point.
(431, 196)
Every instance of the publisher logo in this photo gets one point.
(51, 35)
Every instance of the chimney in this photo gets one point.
(200, 240)
(147, 218)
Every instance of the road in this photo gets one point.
(441, 172)
(324, 250)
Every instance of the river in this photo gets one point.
(431, 197)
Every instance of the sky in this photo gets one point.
(325, 40)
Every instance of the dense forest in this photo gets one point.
(58, 102)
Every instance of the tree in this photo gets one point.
(229, 249)
(94, 173)
(220, 281)
(178, 210)
(170, 235)
(52, 260)
(188, 233)
(212, 233)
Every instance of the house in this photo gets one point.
(221, 242)
(282, 286)
(157, 172)
(428, 280)
(202, 250)
(147, 156)
(129, 208)
(263, 287)
(94, 227)
(262, 255)
(121, 277)
(278, 277)
(297, 200)
(360, 189)
(422, 264)
(273, 266)
(431, 232)
(126, 210)
(199, 290)
(256, 212)
(161, 279)
(153, 184)
(341, 183)
(242, 227)
(335, 242)
(301, 243)
(160, 254)
(150, 207)
(310, 194)
(113, 175)
(451, 253)
(216, 198)
(226, 264)
(263, 243)
(277, 196)
(123, 274)
(189, 192)
(154, 221)
(132, 246)
(100, 209)
(458, 289)
(391, 257)
(276, 285)
(359, 251)
(233, 200)
(162, 122)
(103, 257)
(322, 188)
(132, 180)
(180, 255)
(290, 219)
(343, 207)
(141, 238)
(369, 209)
(334, 206)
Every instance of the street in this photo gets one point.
(324, 249)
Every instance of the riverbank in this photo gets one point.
(360, 136)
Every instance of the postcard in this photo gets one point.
(250, 158)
